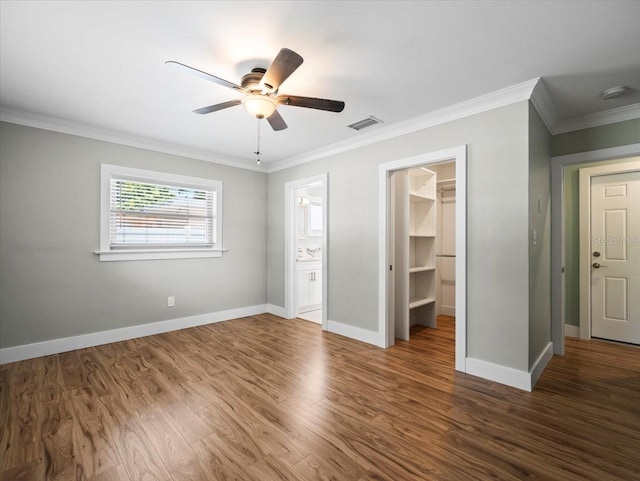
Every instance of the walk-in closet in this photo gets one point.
(424, 250)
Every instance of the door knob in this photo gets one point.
(597, 266)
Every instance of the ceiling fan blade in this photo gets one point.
(311, 103)
(285, 63)
(204, 75)
(276, 121)
(216, 107)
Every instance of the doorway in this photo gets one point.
(423, 246)
(308, 248)
(562, 249)
(610, 252)
(387, 283)
(306, 254)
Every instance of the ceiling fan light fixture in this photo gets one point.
(260, 88)
(260, 106)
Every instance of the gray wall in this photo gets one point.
(596, 138)
(603, 137)
(539, 254)
(53, 286)
(497, 228)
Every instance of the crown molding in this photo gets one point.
(483, 103)
(620, 114)
(544, 105)
(54, 124)
(534, 90)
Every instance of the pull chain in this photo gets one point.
(257, 152)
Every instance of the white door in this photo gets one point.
(615, 257)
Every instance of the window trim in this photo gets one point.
(106, 253)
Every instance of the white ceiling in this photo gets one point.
(101, 64)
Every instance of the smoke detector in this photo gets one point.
(614, 92)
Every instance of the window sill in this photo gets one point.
(154, 254)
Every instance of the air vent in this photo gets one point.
(364, 123)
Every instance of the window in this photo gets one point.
(155, 215)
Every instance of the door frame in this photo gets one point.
(585, 234)
(290, 278)
(558, 222)
(385, 329)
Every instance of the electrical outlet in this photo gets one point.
(171, 301)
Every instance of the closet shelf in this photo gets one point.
(414, 235)
(420, 301)
(421, 269)
(414, 196)
(446, 185)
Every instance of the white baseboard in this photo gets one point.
(540, 363)
(448, 311)
(572, 331)
(56, 346)
(506, 375)
(495, 372)
(275, 310)
(357, 333)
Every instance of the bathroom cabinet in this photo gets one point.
(309, 285)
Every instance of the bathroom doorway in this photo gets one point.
(306, 221)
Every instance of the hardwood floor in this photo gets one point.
(261, 398)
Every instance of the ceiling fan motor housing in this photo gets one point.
(251, 81)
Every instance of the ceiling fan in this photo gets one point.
(260, 87)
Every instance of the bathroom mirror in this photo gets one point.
(314, 219)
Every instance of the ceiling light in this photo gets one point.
(614, 92)
(260, 106)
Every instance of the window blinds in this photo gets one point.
(148, 214)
